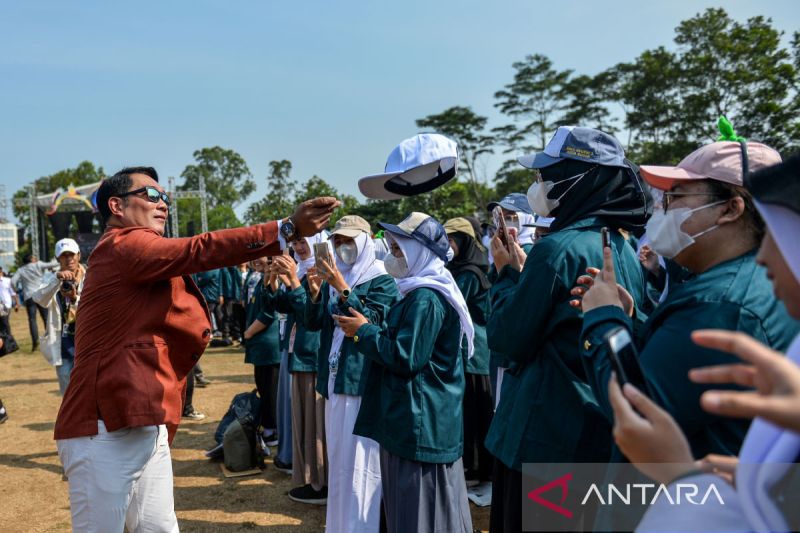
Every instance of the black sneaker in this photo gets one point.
(307, 494)
(201, 381)
(272, 440)
(286, 468)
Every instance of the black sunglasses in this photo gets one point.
(152, 194)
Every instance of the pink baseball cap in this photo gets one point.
(721, 161)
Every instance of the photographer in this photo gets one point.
(142, 326)
(8, 298)
(60, 293)
(29, 277)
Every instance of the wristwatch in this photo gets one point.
(345, 294)
(288, 229)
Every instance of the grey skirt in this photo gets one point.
(424, 497)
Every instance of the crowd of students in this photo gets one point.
(400, 362)
(466, 351)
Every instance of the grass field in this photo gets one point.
(34, 497)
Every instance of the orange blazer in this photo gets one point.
(142, 324)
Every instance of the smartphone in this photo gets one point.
(605, 237)
(500, 224)
(625, 360)
(322, 253)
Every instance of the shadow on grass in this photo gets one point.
(37, 381)
(27, 461)
(41, 426)
(203, 526)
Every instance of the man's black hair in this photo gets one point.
(27, 258)
(117, 184)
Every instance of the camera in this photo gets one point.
(67, 285)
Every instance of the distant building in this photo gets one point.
(8, 245)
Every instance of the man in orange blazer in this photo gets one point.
(141, 327)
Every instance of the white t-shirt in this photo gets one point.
(6, 292)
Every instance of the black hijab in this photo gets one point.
(617, 194)
(470, 258)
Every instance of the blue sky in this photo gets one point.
(332, 86)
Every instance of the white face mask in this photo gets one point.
(348, 253)
(397, 267)
(537, 194)
(667, 239)
(450, 254)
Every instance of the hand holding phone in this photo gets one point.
(322, 254)
(606, 238)
(500, 223)
(625, 360)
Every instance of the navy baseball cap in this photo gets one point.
(581, 144)
(424, 229)
(516, 201)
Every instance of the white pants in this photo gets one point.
(122, 478)
(354, 469)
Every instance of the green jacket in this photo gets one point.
(412, 404)
(231, 283)
(547, 411)
(264, 348)
(372, 299)
(478, 304)
(302, 343)
(210, 284)
(735, 295)
(498, 358)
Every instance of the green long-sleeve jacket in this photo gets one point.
(210, 284)
(302, 343)
(547, 411)
(477, 299)
(495, 356)
(412, 401)
(264, 347)
(372, 299)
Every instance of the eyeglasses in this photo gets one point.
(152, 194)
(668, 196)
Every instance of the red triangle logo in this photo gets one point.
(561, 482)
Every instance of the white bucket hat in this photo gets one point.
(417, 165)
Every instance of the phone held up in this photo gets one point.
(500, 224)
(322, 253)
(625, 360)
(605, 237)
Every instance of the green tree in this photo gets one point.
(375, 211)
(279, 202)
(467, 129)
(585, 102)
(510, 180)
(739, 70)
(219, 217)
(227, 178)
(316, 187)
(672, 100)
(647, 91)
(533, 100)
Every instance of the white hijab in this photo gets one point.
(304, 264)
(426, 269)
(526, 234)
(365, 269)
